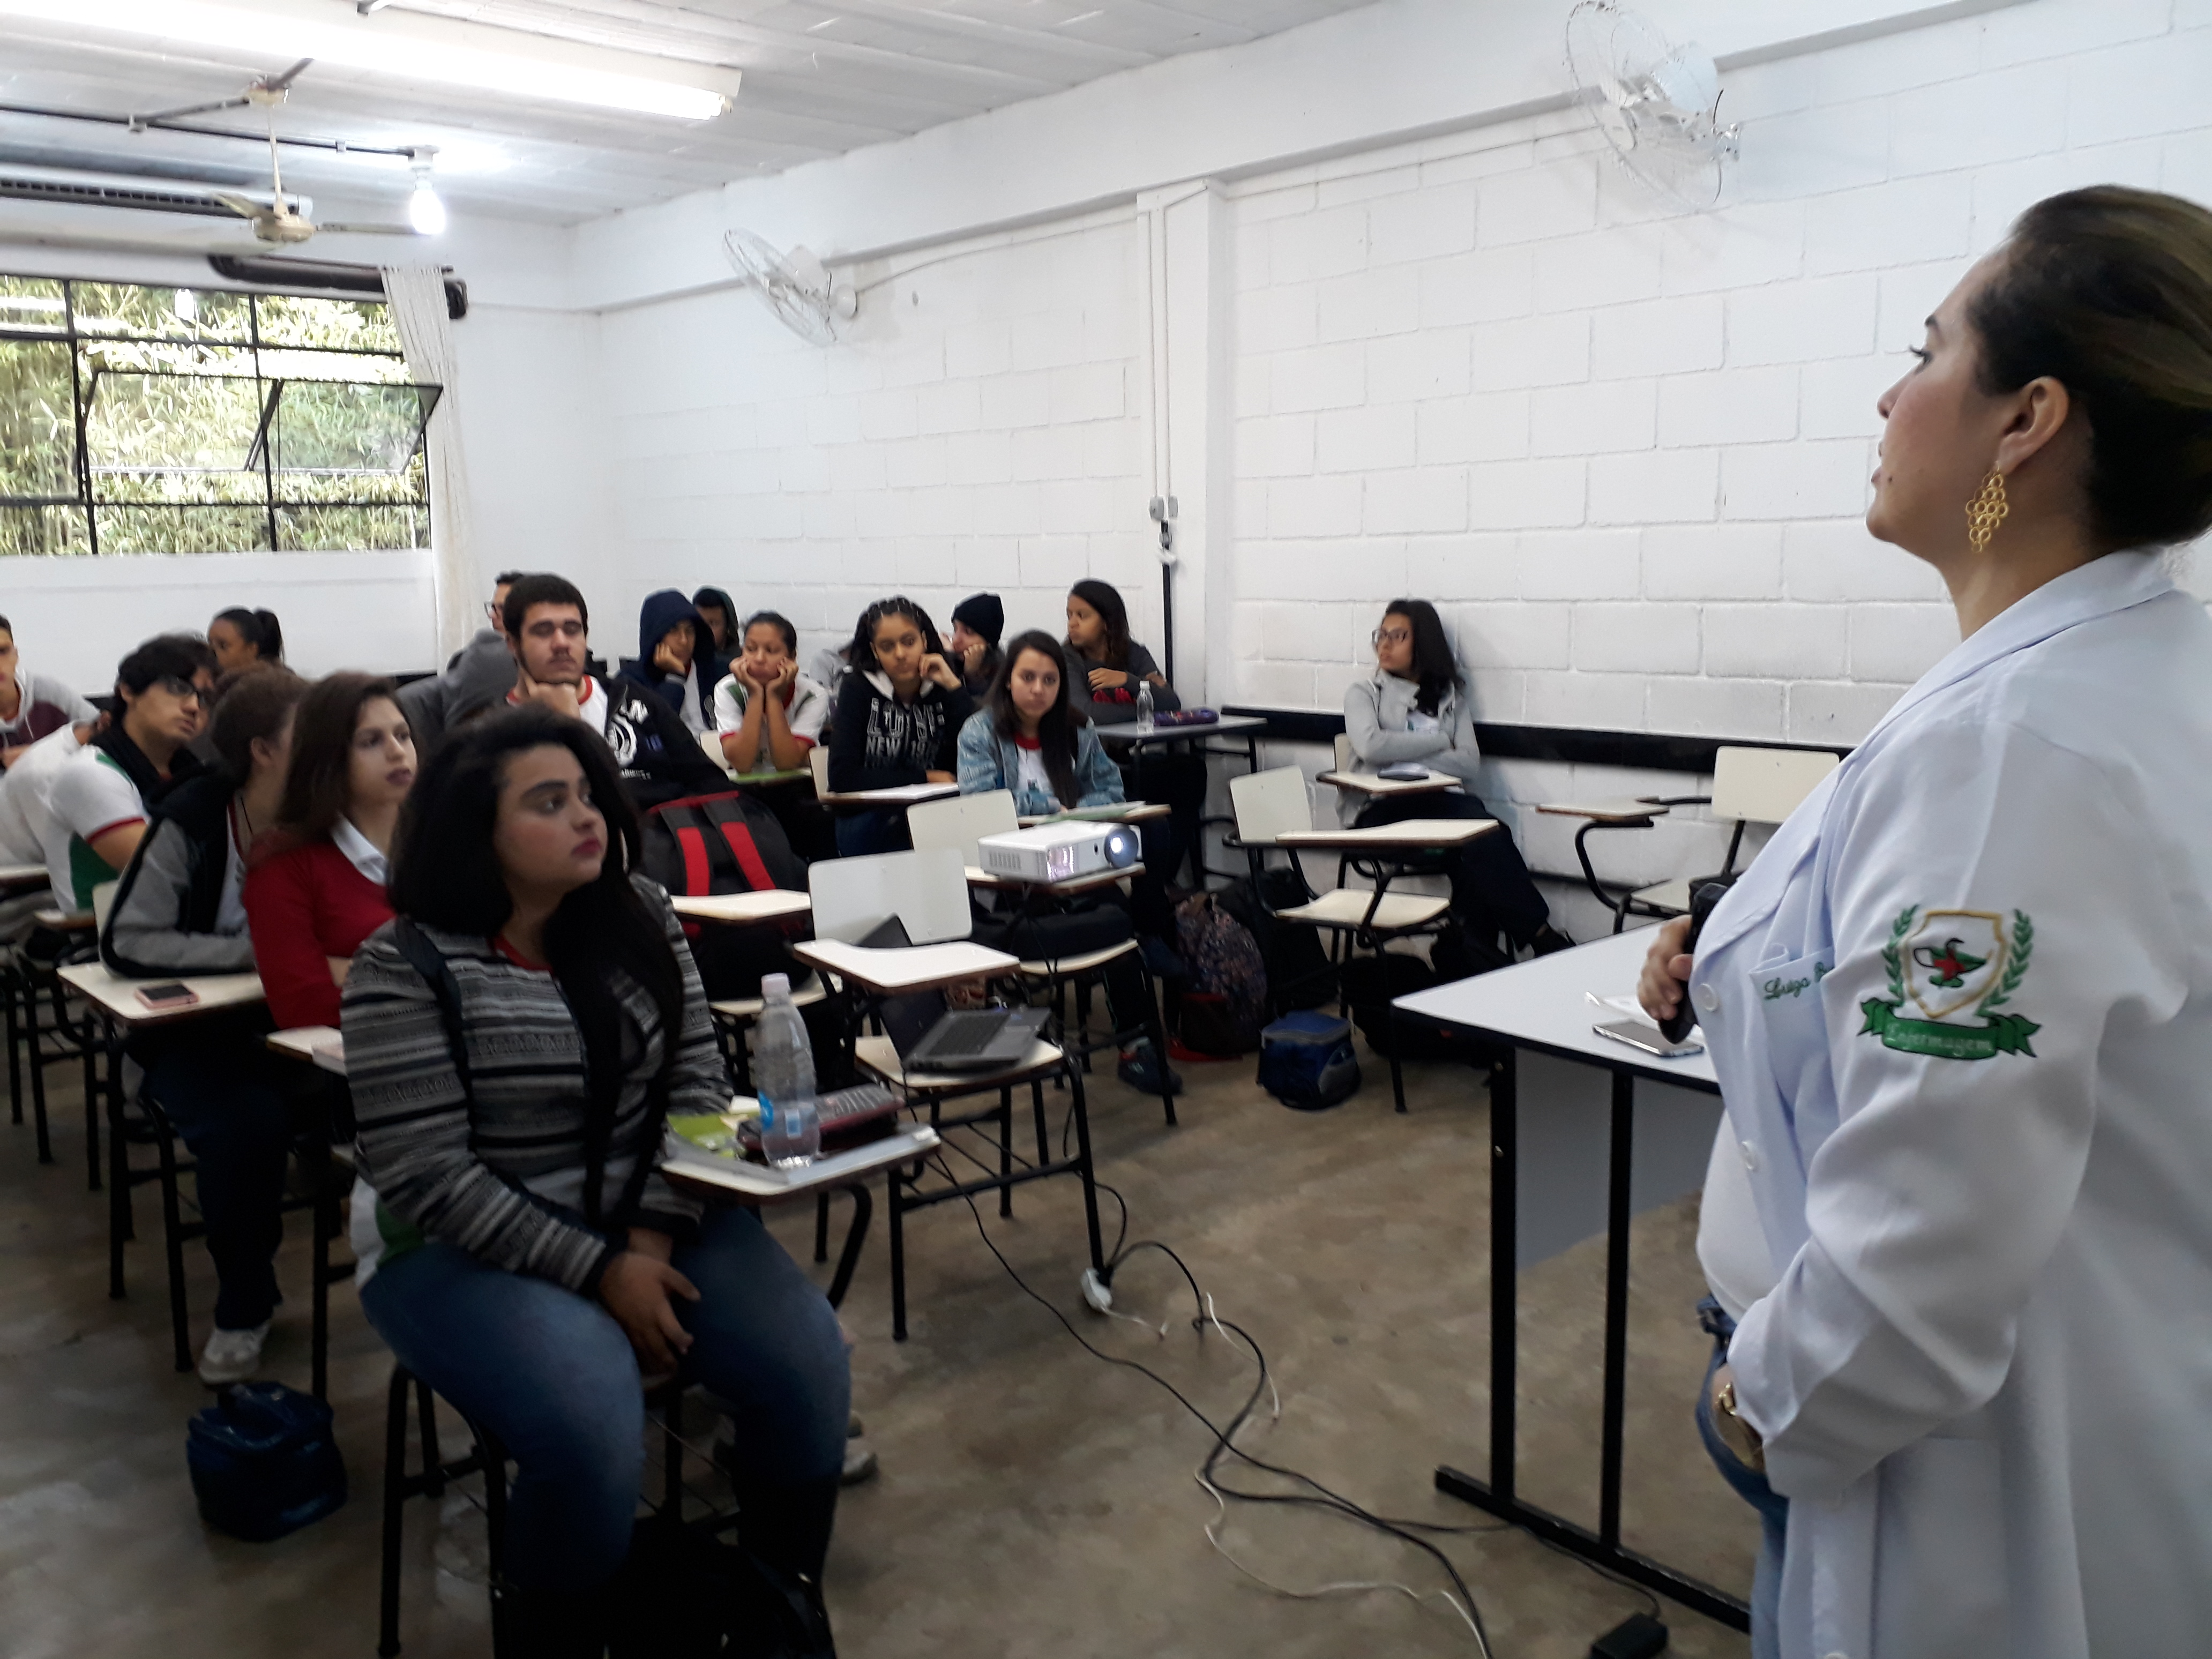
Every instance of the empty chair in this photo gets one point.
(1270, 805)
(1750, 785)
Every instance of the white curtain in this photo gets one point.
(417, 294)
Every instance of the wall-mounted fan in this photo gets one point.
(796, 286)
(1658, 105)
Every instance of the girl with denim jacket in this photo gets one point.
(1027, 740)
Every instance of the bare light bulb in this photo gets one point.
(424, 210)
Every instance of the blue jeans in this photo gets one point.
(552, 1376)
(874, 830)
(217, 1089)
(1750, 1484)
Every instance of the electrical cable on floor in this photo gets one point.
(1224, 1444)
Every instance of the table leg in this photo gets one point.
(1618, 1165)
(1496, 1496)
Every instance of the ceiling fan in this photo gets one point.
(276, 221)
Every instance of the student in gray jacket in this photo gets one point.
(176, 912)
(1416, 709)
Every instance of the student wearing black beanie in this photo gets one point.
(978, 623)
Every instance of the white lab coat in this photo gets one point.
(1961, 1012)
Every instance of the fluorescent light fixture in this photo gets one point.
(408, 48)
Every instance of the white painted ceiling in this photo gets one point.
(819, 79)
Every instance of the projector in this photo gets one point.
(1059, 852)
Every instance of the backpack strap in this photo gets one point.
(428, 960)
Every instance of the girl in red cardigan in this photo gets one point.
(315, 890)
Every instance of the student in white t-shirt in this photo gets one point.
(770, 733)
(99, 800)
(770, 717)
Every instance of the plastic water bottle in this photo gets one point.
(1144, 705)
(783, 1077)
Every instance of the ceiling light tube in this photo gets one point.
(405, 47)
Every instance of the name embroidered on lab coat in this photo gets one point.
(1954, 962)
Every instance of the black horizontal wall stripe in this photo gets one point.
(1651, 751)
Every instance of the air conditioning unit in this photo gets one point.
(152, 195)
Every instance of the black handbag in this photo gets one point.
(684, 1594)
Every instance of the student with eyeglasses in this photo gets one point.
(98, 808)
(1415, 708)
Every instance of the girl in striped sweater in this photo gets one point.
(514, 1040)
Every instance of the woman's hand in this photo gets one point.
(940, 777)
(972, 654)
(636, 1288)
(786, 677)
(1667, 967)
(665, 659)
(1108, 679)
(934, 667)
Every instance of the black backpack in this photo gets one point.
(1299, 973)
(730, 843)
(1372, 984)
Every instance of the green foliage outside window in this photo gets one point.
(160, 419)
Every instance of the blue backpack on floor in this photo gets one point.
(264, 1461)
(1306, 1062)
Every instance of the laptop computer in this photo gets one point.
(932, 1038)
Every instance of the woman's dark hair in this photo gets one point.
(2109, 291)
(252, 702)
(318, 785)
(771, 619)
(1106, 599)
(1058, 730)
(862, 651)
(258, 628)
(1436, 666)
(446, 874)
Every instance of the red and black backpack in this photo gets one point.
(729, 843)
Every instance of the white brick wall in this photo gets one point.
(982, 428)
(1627, 449)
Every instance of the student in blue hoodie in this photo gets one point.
(676, 658)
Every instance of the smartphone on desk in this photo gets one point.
(175, 994)
(1637, 1035)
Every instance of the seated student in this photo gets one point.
(100, 799)
(31, 705)
(770, 716)
(26, 793)
(548, 630)
(1027, 740)
(676, 658)
(519, 1249)
(239, 638)
(1416, 709)
(314, 883)
(898, 720)
(1105, 668)
(178, 910)
(978, 622)
(719, 613)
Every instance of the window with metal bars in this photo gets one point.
(135, 419)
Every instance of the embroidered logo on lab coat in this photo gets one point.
(1946, 963)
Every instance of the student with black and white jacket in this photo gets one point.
(1416, 709)
(899, 715)
(179, 910)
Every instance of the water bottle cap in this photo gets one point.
(774, 986)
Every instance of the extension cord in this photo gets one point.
(1098, 1295)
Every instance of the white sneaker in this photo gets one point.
(232, 1355)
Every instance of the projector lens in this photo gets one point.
(1120, 849)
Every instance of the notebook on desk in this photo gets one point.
(932, 1038)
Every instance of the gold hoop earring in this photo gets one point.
(1986, 512)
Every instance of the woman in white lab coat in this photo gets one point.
(1961, 1009)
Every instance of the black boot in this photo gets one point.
(784, 1530)
(547, 1625)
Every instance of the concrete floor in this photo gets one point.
(1033, 1501)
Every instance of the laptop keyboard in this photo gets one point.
(966, 1034)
